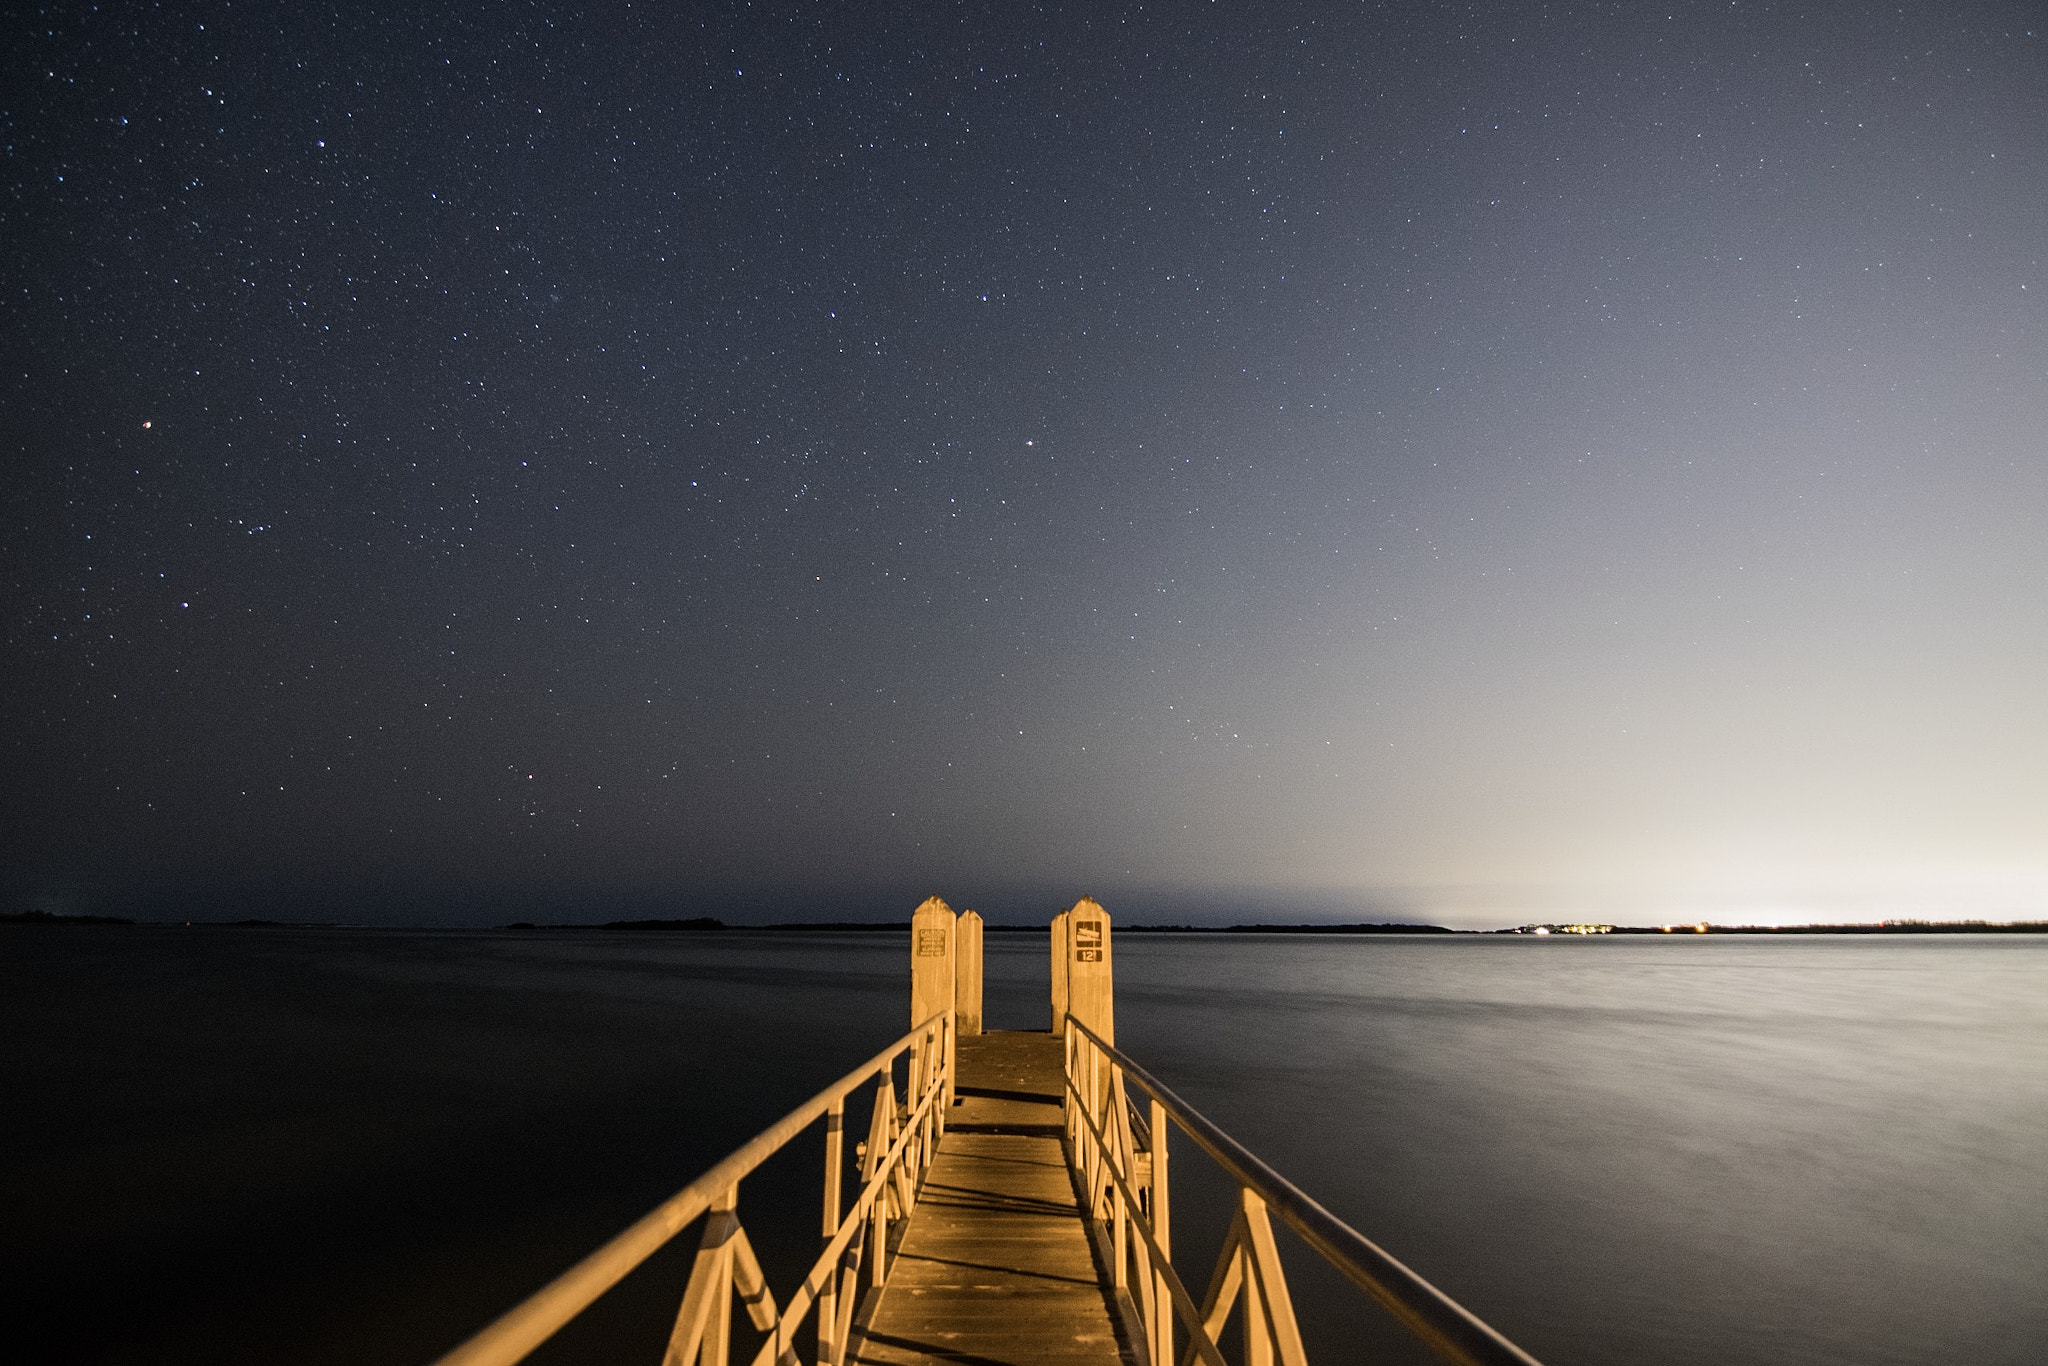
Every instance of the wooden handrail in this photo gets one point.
(517, 1332)
(821, 1270)
(1182, 1300)
(1447, 1327)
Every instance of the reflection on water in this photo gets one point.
(1626, 1150)
(310, 1146)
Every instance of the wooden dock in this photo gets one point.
(1011, 1206)
(995, 1264)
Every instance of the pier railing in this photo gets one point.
(1121, 1157)
(901, 1141)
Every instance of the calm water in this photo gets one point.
(307, 1146)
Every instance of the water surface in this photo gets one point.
(1721, 1149)
(314, 1146)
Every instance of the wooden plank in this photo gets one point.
(995, 1265)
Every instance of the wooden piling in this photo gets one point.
(967, 973)
(931, 974)
(1091, 992)
(931, 959)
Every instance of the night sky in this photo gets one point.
(1474, 463)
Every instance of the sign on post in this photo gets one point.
(1091, 994)
(967, 971)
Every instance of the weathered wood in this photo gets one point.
(931, 982)
(967, 973)
(835, 1167)
(1059, 975)
(1162, 1233)
(1091, 993)
(931, 960)
(704, 1323)
(995, 1265)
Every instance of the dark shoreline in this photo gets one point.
(710, 925)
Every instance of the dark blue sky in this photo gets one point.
(1480, 463)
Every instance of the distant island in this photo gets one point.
(1872, 927)
(702, 922)
(50, 918)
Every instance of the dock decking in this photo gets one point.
(995, 1264)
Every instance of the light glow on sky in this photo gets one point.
(1274, 463)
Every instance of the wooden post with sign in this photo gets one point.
(1091, 995)
(931, 970)
(967, 972)
(1059, 974)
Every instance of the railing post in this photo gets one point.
(1120, 1159)
(717, 1347)
(835, 1166)
(1094, 1111)
(849, 1282)
(1258, 1340)
(1278, 1303)
(880, 1135)
(703, 1324)
(1084, 1068)
(1073, 1082)
(949, 1029)
(927, 1135)
(1162, 1234)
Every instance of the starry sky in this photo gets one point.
(1472, 463)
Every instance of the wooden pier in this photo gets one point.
(1012, 1208)
(995, 1264)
